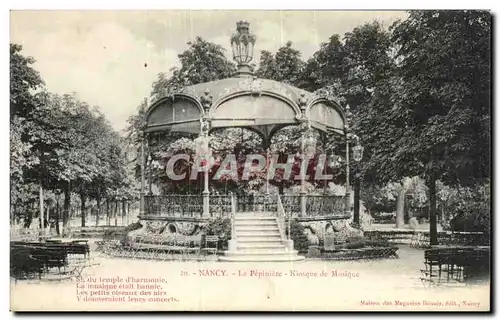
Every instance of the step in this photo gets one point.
(280, 251)
(250, 228)
(255, 218)
(258, 233)
(255, 213)
(245, 241)
(260, 248)
(261, 258)
(255, 223)
(258, 238)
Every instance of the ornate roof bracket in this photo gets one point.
(302, 102)
(206, 101)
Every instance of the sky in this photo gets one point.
(111, 58)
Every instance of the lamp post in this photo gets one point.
(268, 163)
(142, 199)
(357, 155)
(308, 147)
(347, 168)
(150, 174)
(203, 152)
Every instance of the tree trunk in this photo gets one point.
(431, 184)
(128, 212)
(66, 206)
(108, 219)
(356, 201)
(46, 220)
(82, 208)
(41, 213)
(116, 213)
(57, 215)
(98, 212)
(29, 219)
(124, 211)
(12, 210)
(281, 188)
(400, 207)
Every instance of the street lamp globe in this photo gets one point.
(201, 144)
(357, 152)
(334, 160)
(242, 43)
(309, 144)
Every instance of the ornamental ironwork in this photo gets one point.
(171, 91)
(256, 86)
(326, 93)
(242, 43)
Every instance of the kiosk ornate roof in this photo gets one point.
(244, 100)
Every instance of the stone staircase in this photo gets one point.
(257, 237)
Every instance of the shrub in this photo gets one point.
(355, 242)
(114, 234)
(300, 241)
(134, 226)
(474, 213)
(472, 219)
(220, 227)
(377, 243)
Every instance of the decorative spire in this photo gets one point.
(242, 42)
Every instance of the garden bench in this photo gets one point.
(23, 264)
(459, 263)
(28, 258)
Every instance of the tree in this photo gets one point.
(24, 80)
(351, 67)
(58, 144)
(285, 66)
(202, 62)
(326, 67)
(431, 118)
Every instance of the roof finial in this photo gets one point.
(242, 42)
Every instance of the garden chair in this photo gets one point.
(155, 248)
(433, 265)
(211, 239)
(127, 251)
(423, 241)
(114, 249)
(448, 262)
(163, 249)
(100, 246)
(415, 239)
(136, 248)
(181, 243)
